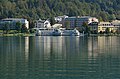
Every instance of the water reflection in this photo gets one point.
(26, 48)
(59, 57)
(102, 52)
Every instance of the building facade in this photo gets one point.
(102, 26)
(73, 22)
(116, 24)
(42, 24)
(12, 23)
(69, 22)
(113, 26)
(93, 27)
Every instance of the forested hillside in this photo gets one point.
(34, 9)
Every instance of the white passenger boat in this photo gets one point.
(57, 32)
(47, 32)
(69, 32)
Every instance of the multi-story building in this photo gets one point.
(86, 19)
(73, 22)
(12, 22)
(116, 24)
(113, 26)
(69, 22)
(42, 24)
(102, 26)
(93, 27)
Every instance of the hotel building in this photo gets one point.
(73, 22)
(12, 22)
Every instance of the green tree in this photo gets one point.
(112, 17)
(3, 28)
(104, 15)
(33, 9)
(52, 21)
(86, 28)
(18, 26)
(107, 31)
(24, 29)
(67, 25)
(6, 28)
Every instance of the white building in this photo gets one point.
(12, 22)
(42, 24)
(59, 19)
(116, 23)
(89, 19)
(57, 25)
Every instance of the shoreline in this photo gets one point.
(32, 34)
(104, 35)
(18, 34)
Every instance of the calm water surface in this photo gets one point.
(60, 57)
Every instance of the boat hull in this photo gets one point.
(57, 32)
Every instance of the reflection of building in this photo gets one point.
(26, 48)
(48, 45)
(12, 22)
(73, 22)
(102, 44)
(42, 24)
(93, 47)
(108, 44)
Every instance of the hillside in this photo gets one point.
(34, 9)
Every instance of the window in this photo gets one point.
(39, 25)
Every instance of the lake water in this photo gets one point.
(48, 57)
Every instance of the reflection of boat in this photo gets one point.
(57, 32)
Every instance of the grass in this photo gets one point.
(14, 33)
(18, 34)
(21, 34)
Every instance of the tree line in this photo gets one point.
(104, 10)
(19, 28)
